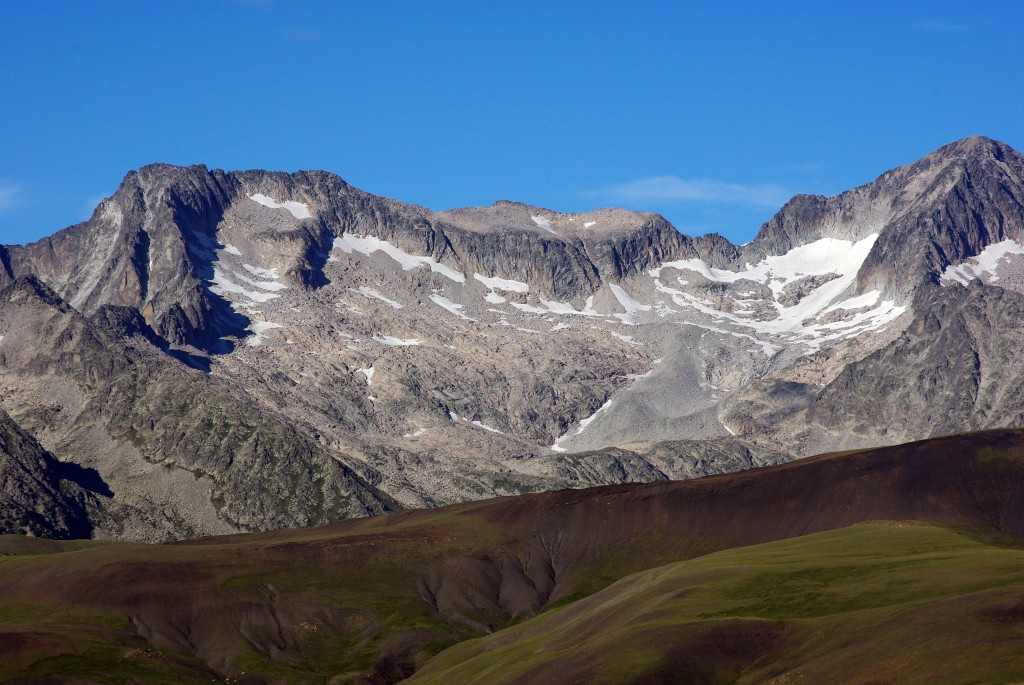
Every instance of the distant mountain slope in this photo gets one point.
(438, 357)
(182, 453)
(37, 496)
(372, 600)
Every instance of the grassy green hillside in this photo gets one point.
(875, 603)
(757, 586)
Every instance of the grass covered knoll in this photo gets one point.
(371, 601)
(875, 603)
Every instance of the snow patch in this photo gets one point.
(368, 373)
(480, 424)
(507, 284)
(223, 286)
(866, 300)
(982, 266)
(263, 285)
(229, 248)
(588, 224)
(300, 210)
(629, 304)
(397, 342)
(555, 307)
(261, 272)
(543, 223)
(590, 419)
(372, 294)
(821, 257)
(494, 298)
(767, 348)
(258, 329)
(624, 338)
(445, 303)
(349, 243)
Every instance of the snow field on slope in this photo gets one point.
(300, 210)
(984, 265)
(822, 257)
(349, 243)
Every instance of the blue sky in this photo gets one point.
(712, 114)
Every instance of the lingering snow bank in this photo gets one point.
(555, 307)
(868, 299)
(263, 285)
(821, 257)
(374, 295)
(454, 308)
(300, 210)
(982, 266)
(590, 419)
(543, 223)
(397, 342)
(349, 243)
(258, 329)
(368, 373)
(480, 424)
(223, 286)
(629, 304)
(261, 272)
(624, 338)
(507, 284)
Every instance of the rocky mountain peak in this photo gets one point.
(404, 343)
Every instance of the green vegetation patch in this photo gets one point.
(915, 602)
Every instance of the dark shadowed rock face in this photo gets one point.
(35, 497)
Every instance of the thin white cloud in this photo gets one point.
(675, 189)
(10, 195)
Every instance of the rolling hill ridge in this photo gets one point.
(373, 600)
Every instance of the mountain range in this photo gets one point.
(218, 352)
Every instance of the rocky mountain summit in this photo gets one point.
(245, 350)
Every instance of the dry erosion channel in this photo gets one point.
(223, 353)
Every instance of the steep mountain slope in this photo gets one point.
(446, 356)
(372, 600)
(37, 496)
(182, 453)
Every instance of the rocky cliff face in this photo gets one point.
(941, 210)
(179, 452)
(288, 349)
(38, 495)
